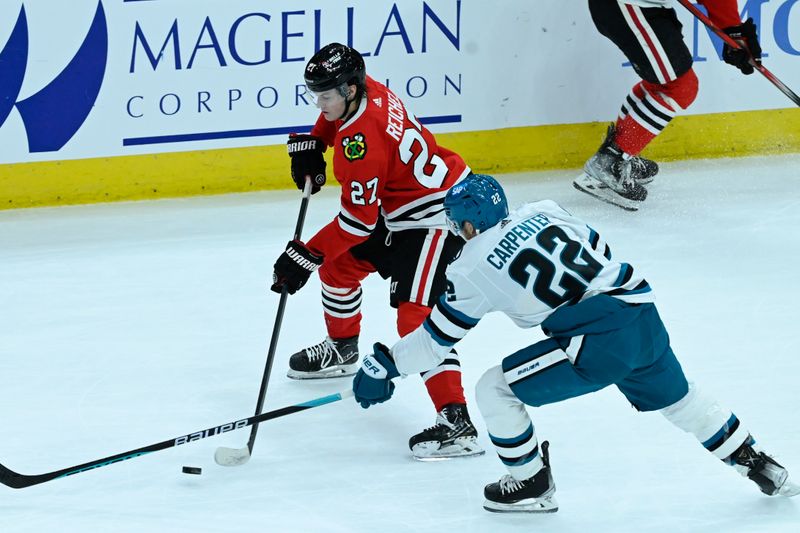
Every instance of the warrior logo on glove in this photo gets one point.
(307, 160)
(293, 267)
(301, 146)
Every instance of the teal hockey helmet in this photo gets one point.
(478, 199)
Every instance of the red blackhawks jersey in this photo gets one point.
(387, 163)
(723, 13)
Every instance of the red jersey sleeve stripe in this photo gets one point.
(354, 226)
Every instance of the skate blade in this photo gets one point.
(595, 188)
(337, 372)
(640, 181)
(424, 453)
(789, 489)
(544, 505)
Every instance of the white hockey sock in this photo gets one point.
(717, 429)
(508, 424)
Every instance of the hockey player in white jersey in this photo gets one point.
(543, 267)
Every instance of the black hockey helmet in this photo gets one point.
(334, 65)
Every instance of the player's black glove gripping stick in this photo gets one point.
(20, 481)
(731, 42)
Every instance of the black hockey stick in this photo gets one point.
(731, 42)
(225, 456)
(20, 481)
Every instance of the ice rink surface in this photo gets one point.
(126, 324)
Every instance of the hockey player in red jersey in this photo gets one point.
(649, 34)
(394, 178)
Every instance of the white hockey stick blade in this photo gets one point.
(231, 456)
(238, 456)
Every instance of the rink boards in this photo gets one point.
(267, 167)
(104, 101)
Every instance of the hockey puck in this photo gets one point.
(192, 470)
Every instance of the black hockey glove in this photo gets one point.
(293, 267)
(306, 154)
(744, 34)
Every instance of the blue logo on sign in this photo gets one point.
(53, 115)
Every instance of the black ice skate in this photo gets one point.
(643, 170)
(771, 477)
(532, 495)
(331, 358)
(452, 436)
(612, 177)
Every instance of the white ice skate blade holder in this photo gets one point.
(596, 188)
(429, 451)
(337, 371)
(545, 505)
(789, 489)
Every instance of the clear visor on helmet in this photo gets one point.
(326, 98)
(453, 226)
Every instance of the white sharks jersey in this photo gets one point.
(530, 264)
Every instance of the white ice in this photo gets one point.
(127, 324)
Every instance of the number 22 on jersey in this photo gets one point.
(573, 259)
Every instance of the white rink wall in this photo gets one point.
(182, 75)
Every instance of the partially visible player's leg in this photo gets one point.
(337, 354)
(649, 108)
(420, 258)
(444, 381)
(529, 485)
(568, 365)
(721, 433)
(652, 40)
(341, 294)
(659, 384)
(537, 375)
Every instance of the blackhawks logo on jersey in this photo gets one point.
(355, 148)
